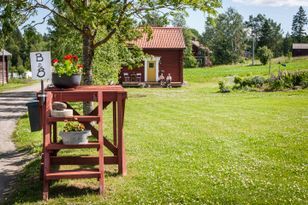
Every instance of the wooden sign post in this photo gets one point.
(41, 69)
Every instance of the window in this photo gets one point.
(151, 65)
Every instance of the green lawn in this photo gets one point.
(15, 83)
(192, 145)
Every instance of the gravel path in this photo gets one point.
(12, 107)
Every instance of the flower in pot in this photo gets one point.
(74, 133)
(67, 73)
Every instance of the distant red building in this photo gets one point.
(299, 49)
(166, 49)
(201, 53)
(4, 68)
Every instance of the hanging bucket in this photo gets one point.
(34, 115)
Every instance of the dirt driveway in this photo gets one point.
(12, 107)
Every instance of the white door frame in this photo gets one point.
(146, 60)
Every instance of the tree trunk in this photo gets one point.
(87, 57)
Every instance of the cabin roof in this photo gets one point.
(198, 44)
(6, 53)
(300, 46)
(162, 37)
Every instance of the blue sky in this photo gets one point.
(282, 11)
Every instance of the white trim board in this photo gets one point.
(146, 60)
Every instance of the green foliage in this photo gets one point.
(154, 19)
(222, 87)
(287, 45)
(264, 54)
(73, 127)
(283, 80)
(226, 37)
(189, 59)
(271, 37)
(179, 19)
(287, 80)
(298, 25)
(21, 70)
(248, 82)
(267, 32)
(257, 81)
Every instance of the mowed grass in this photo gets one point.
(192, 145)
(15, 83)
(211, 74)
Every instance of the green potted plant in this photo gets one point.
(67, 74)
(74, 133)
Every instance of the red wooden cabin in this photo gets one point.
(4, 68)
(299, 49)
(166, 49)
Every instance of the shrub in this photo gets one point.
(257, 81)
(222, 87)
(264, 54)
(190, 61)
(21, 71)
(280, 81)
(288, 80)
(237, 80)
(274, 83)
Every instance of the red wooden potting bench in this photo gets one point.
(104, 96)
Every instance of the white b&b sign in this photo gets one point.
(41, 65)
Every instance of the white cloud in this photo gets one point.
(274, 3)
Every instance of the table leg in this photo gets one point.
(121, 148)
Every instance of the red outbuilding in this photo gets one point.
(166, 50)
(4, 68)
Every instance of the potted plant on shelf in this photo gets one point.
(74, 133)
(67, 73)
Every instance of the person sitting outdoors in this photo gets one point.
(168, 80)
(162, 80)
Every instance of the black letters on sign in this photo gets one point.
(39, 57)
(40, 71)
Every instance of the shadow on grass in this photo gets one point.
(29, 186)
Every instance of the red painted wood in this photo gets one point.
(82, 160)
(104, 95)
(114, 117)
(58, 146)
(71, 174)
(78, 118)
(121, 153)
(47, 136)
(101, 142)
(171, 61)
(90, 88)
(79, 96)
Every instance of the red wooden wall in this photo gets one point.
(171, 61)
(299, 52)
(6, 74)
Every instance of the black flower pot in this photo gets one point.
(65, 81)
